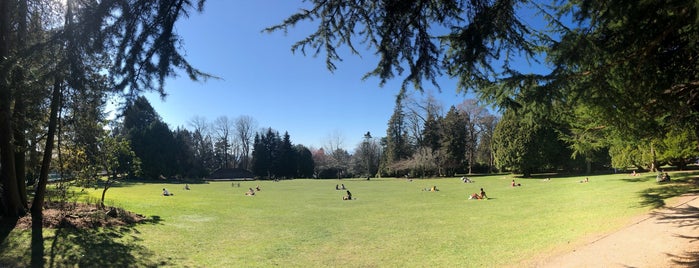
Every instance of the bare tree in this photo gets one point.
(334, 142)
(473, 114)
(244, 130)
(200, 124)
(416, 114)
(222, 127)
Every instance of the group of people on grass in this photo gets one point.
(168, 193)
(340, 187)
(662, 177)
(251, 191)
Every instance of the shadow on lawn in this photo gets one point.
(655, 197)
(101, 247)
(118, 246)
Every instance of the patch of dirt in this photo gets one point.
(81, 216)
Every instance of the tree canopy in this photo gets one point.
(631, 63)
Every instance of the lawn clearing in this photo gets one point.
(391, 223)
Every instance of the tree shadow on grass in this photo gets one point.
(637, 179)
(117, 246)
(7, 224)
(655, 197)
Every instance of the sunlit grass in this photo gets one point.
(392, 222)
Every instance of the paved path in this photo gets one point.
(667, 237)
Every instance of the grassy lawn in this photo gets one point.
(392, 222)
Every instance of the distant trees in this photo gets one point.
(151, 139)
(365, 161)
(275, 157)
(434, 144)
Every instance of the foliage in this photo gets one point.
(679, 147)
(366, 157)
(402, 33)
(274, 157)
(628, 69)
(454, 141)
(525, 146)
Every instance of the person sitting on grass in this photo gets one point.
(258, 188)
(474, 196)
(167, 193)
(186, 186)
(348, 196)
(434, 188)
(342, 187)
(515, 184)
(250, 192)
(337, 187)
(483, 195)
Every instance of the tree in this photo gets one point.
(286, 158)
(117, 159)
(454, 140)
(275, 157)
(223, 127)
(304, 162)
(526, 146)
(202, 146)
(47, 48)
(396, 147)
(632, 60)
(245, 129)
(586, 135)
(151, 139)
(473, 115)
(366, 156)
(628, 60)
(403, 35)
(679, 146)
(485, 146)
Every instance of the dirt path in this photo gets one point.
(667, 237)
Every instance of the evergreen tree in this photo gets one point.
(454, 141)
(287, 158)
(396, 146)
(304, 162)
(260, 156)
(151, 139)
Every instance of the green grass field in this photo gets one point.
(392, 223)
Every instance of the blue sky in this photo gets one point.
(261, 78)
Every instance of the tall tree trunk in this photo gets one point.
(20, 107)
(12, 204)
(588, 166)
(37, 208)
(20, 144)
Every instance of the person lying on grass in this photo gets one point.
(250, 192)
